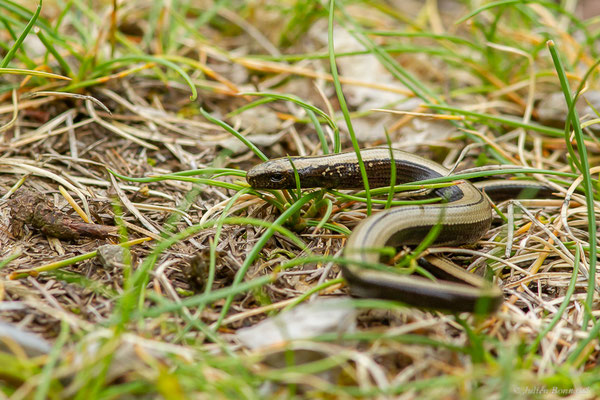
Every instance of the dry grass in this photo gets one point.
(160, 319)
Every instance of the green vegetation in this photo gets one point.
(149, 114)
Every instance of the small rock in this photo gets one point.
(552, 109)
(259, 120)
(303, 322)
(327, 315)
(111, 256)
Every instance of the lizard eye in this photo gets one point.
(276, 178)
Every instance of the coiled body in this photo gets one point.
(464, 218)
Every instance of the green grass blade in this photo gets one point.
(587, 179)
(344, 107)
(253, 254)
(235, 133)
(41, 391)
(41, 74)
(153, 59)
(15, 47)
(50, 47)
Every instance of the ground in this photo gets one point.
(134, 250)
